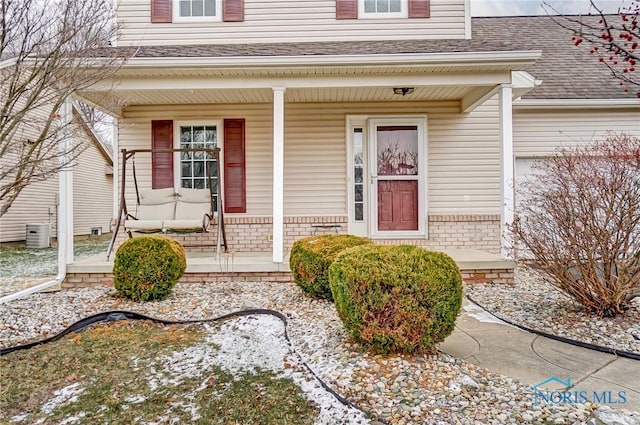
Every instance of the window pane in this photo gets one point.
(198, 183)
(382, 6)
(357, 145)
(210, 7)
(185, 135)
(359, 212)
(210, 136)
(358, 193)
(358, 175)
(186, 170)
(185, 8)
(198, 134)
(198, 169)
(186, 183)
(185, 156)
(397, 150)
(394, 5)
(213, 168)
(197, 8)
(369, 6)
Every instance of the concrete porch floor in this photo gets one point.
(206, 262)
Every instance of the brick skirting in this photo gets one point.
(253, 234)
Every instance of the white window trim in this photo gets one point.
(370, 225)
(177, 166)
(404, 12)
(193, 19)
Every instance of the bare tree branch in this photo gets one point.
(580, 220)
(47, 52)
(614, 40)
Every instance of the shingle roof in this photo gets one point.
(567, 71)
(323, 48)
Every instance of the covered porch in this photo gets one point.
(303, 118)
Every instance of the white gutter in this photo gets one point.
(449, 58)
(575, 103)
(65, 221)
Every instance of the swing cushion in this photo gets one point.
(192, 208)
(156, 206)
(157, 196)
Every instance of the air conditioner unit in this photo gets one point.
(38, 235)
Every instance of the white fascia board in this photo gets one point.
(449, 58)
(575, 103)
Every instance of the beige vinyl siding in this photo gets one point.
(538, 133)
(463, 154)
(288, 21)
(92, 192)
(37, 200)
(33, 205)
(92, 200)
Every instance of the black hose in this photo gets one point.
(112, 316)
(600, 348)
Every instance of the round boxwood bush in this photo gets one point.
(311, 257)
(148, 267)
(396, 298)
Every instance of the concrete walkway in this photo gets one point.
(481, 339)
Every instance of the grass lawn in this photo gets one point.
(140, 372)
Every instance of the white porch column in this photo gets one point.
(278, 174)
(65, 183)
(506, 167)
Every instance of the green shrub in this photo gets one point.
(148, 267)
(396, 298)
(311, 257)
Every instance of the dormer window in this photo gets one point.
(197, 10)
(382, 8)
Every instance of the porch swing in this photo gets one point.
(172, 210)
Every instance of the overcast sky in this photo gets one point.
(533, 7)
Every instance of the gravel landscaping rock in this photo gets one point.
(535, 304)
(395, 389)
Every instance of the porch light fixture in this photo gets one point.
(403, 90)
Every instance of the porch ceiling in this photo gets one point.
(149, 85)
(324, 94)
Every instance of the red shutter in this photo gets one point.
(235, 187)
(346, 9)
(419, 9)
(162, 163)
(160, 11)
(233, 10)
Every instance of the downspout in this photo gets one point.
(65, 185)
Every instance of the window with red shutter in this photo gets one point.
(162, 163)
(161, 11)
(235, 197)
(233, 10)
(419, 9)
(346, 9)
